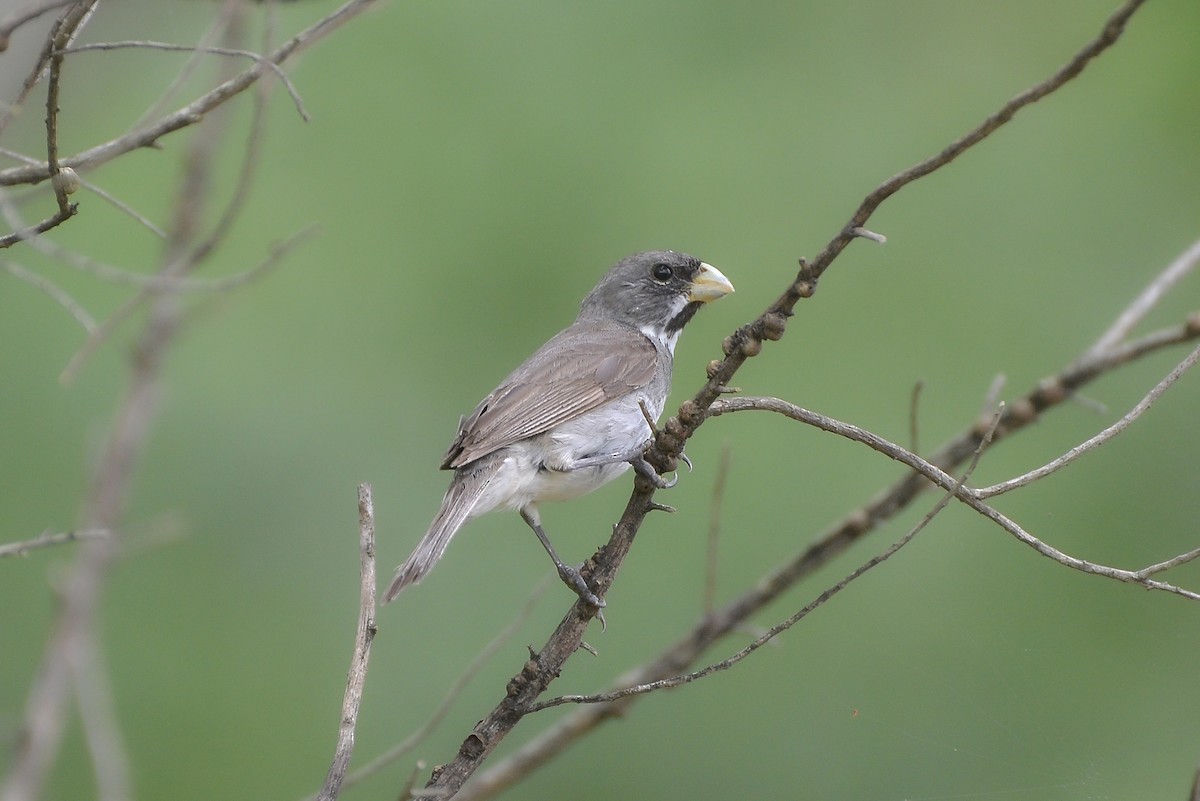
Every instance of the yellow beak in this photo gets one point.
(709, 284)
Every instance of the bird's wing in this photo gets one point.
(579, 369)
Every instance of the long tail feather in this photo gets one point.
(460, 499)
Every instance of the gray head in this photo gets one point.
(656, 291)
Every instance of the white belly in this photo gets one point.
(536, 469)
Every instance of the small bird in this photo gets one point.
(576, 414)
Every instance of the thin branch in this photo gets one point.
(418, 736)
(230, 10)
(914, 416)
(219, 51)
(1096, 441)
(193, 112)
(98, 713)
(171, 281)
(103, 194)
(968, 496)
(357, 676)
(23, 15)
(164, 280)
(1145, 302)
(53, 221)
(35, 75)
(714, 528)
(56, 293)
(1176, 561)
(49, 540)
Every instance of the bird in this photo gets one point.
(577, 413)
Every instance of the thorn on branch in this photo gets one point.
(863, 233)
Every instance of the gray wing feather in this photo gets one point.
(576, 371)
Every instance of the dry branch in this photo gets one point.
(356, 678)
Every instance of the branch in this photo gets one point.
(1149, 297)
(49, 540)
(970, 497)
(23, 15)
(56, 293)
(219, 51)
(410, 742)
(1096, 441)
(193, 112)
(357, 676)
(543, 667)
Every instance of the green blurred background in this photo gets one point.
(473, 168)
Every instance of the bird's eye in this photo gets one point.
(661, 272)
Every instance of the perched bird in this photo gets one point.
(574, 415)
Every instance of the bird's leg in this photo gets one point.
(646, 470)
(636, 456)
(569, 575)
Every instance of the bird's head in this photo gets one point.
(656, 291)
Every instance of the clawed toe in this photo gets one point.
(646, 471)
(572, 578)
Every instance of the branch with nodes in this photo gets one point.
(524, 689)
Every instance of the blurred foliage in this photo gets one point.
(473, 168)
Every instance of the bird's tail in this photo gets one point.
(460, 500)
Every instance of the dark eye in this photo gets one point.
(661, 272)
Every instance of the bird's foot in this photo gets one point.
(644, 469)
(573, 579)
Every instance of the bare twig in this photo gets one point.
(968, 496)
(714, 528)
(265, 61)
(229, 12)
(914, 416)
(56, 293)
(173, 281)
(418, 736)
(49, 540)
(1175, 561)
(103, 194)
(1094, 442)
(53, 221)
(1142, 305)
(43, 60)
(23, 15)
(193, 112)
(98, 713)
(357, 677)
